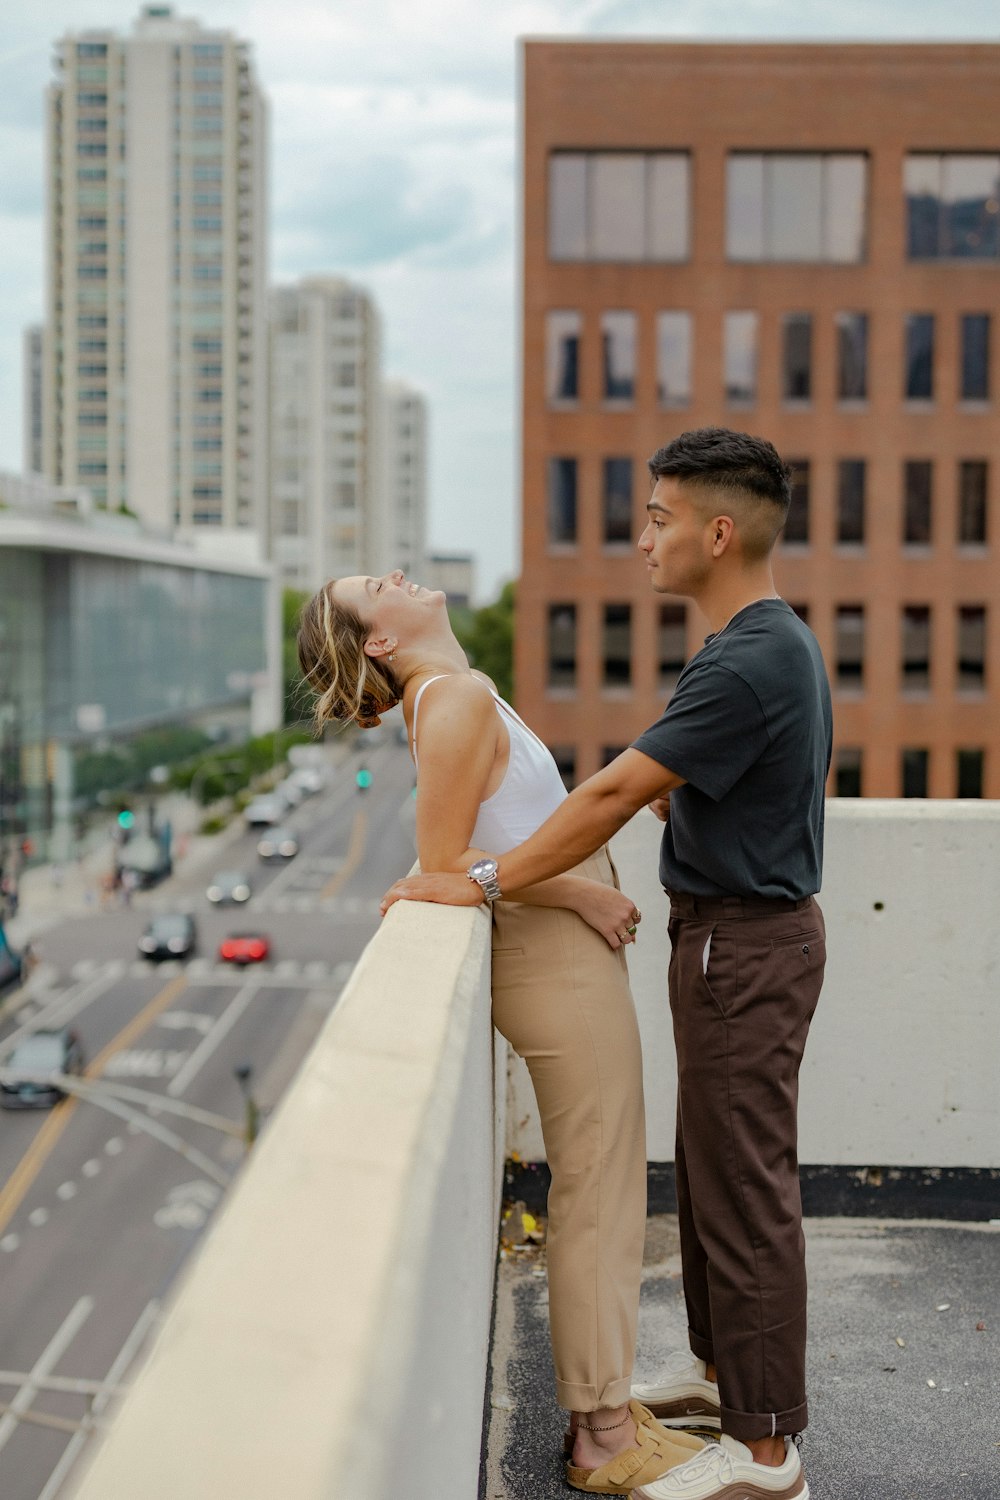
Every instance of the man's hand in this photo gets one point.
(660, 807)
(448, 890)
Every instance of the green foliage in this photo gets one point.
(230, 768)
(126, 765)
(487, 638)
(296, 698)
(212, 825)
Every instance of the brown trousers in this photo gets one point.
(745, 977)
(561, 998)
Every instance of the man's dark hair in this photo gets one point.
(725, 460)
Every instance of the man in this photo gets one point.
(736, 765)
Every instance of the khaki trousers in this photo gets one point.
(561, 997)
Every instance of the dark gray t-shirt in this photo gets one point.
(749, 727)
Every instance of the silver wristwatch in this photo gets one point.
(485, 872)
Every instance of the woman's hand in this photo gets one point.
(447, 890)
(609, 911)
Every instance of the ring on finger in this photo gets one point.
(637, 915)
(631, 930)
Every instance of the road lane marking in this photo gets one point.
(63, 1007)
(91, 1168)
(111, 1382)
(66, 1191)
(205, 1048)
(44, 1365)
(38, 1217)
(26, 1172)
(355, 854)
(114, 1146)
(10, 1243)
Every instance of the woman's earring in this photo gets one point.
(391, 655)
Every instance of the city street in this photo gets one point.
(97, 1214)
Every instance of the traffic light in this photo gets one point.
(363, 778)
(126, 819)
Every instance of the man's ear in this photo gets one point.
(381, 646)
(722, 534)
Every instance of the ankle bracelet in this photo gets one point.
(610, 1427)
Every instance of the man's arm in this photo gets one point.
(589, 816)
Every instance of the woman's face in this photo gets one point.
(390, 605)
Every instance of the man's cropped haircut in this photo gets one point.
(746, 468)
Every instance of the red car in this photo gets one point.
(245, 948)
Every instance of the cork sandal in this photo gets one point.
(655, 1452)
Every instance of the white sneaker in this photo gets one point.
(726, 1471)
(682, 1397)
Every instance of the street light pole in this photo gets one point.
(243, 1075)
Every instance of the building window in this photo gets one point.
(562, 356)
(847, 772)
(739, 337)
(671, 644)
(796, 357)
(852, 356)
(851, 500)
(619, 205)
(565, 759)
(919, 374)
(952, 206)
(914, 769)
(562, 500)
(618, 356)
(616, 645)
(969, 773)
(797, 523)
(972, 488)
(850, 645)
(971, 648)
(562, 646)
(616, 500)
(786, 206)
(673, 358)
(975, 332)
(916, 648)
(917, 502)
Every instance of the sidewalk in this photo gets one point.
(902, 1382)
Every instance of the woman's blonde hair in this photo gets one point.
(349, 685)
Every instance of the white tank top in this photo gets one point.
(530, 791)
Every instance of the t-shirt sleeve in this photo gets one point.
(711, 731)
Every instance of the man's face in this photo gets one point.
(677, 541)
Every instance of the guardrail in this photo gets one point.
(331, 1336)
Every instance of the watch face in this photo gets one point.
(483, 869)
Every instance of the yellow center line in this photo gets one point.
(24, 1174)
(355, 854)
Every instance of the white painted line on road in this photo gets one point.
(204, 1050)
(185, 1020)
(114, 1145)
(38, 1217)
(113, 1378)
(91, 1168)
(318, 970)
(66, 1191)
(286, 966)
(46, 1363)
(83, 968)
(10, 1242)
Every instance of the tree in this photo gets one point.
(296, 699)
(487, 637)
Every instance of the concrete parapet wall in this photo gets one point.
(331, 1338)
(903, 1060)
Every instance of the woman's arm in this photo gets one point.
(459, 737)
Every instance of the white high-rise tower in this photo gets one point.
(155, 389)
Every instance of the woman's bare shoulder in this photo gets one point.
(486, 681)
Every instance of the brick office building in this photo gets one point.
(801, 241)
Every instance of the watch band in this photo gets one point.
(488, 880)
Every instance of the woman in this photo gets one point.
(560, 987)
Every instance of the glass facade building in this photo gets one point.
(97, 645)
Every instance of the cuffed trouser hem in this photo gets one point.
(746, 1425)
(589, 1398)
(701, 1348)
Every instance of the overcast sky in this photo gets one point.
(394, 145)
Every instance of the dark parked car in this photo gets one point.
(172, 935)
(26, 1076)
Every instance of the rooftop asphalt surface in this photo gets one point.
(904, 1385)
